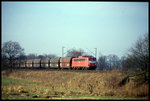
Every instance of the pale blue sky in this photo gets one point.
(44, 27)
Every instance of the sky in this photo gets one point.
(46, 27)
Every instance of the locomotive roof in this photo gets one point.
(84, 56)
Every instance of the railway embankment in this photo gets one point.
(60, 83)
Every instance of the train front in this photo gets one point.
(92, 63)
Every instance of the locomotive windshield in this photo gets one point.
(92, 60)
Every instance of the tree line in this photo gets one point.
(137, 57)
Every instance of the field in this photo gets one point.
(76, 85)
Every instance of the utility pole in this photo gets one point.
(95, 52)
(62, 56)
(63, 51)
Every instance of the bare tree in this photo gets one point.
(140, 53)
(102, 63)
(50, 56)
(22, 56)
(31, 56)
(109, 62)
(113, 61)
(74, 53)
(47, 56)
(124, 64)
(11, 51)
(116, 62)
(44, 56)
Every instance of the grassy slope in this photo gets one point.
(28, 84)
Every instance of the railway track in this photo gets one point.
(62, 70)
(130, 74)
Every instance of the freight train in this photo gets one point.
(80, 62)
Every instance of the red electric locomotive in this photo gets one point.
(84, 62)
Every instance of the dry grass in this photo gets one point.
(76, 83)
